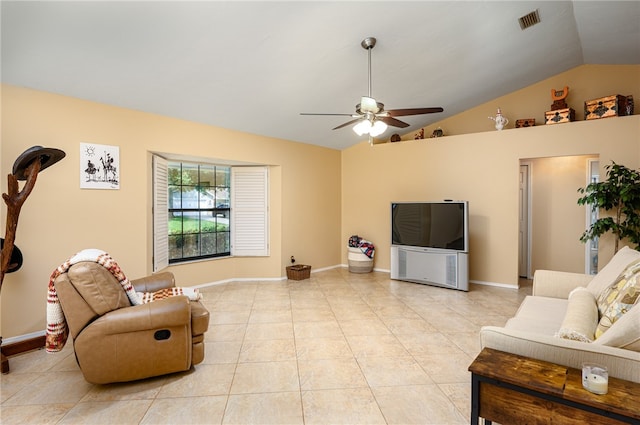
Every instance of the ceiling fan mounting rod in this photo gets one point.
(368, 44)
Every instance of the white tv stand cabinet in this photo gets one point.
(440, 267)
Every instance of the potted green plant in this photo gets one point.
(620, 194)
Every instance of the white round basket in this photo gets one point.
(358, 262)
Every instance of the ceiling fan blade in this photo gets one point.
(394, 122)
(413, 111)
(313, 113)
(347, 123)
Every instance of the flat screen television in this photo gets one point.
(439, 225)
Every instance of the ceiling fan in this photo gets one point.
(370, 116)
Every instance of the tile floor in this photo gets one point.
(338, 348)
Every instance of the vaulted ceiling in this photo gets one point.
(255, 66)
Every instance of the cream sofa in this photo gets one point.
(554, 323)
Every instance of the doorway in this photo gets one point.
(550, 220)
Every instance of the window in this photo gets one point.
(203, 210)
(199, 211)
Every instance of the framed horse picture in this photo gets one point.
(99, 166)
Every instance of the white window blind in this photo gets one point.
(160, 214)
(249, 211)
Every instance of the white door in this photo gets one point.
(523, 222)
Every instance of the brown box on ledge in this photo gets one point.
(559, 116)
(298, 272)
(526, 122)
(609, 106)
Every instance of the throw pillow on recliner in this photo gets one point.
(192, 293)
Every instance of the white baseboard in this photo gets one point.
(19, 338)
(324, 269)
(375, 269)
(260, 279)
(496, 284)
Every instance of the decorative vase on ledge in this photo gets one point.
(500, 120)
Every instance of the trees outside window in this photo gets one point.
(199, 211)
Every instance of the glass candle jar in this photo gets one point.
(595, 378)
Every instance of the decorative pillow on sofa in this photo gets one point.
(612, 270)
(581, 318)
(625, 332)
(619, 297)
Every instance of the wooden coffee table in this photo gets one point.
(512, 389)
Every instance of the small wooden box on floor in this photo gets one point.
(609, 106)
(298, 272)
(559, 116)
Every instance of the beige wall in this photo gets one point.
(481, 168)
(554, 183)
(59, 219)
(479, 164)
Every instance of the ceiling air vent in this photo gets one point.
(529, 20)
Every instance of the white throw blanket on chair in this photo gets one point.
(57, 331)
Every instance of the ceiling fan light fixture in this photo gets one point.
(367, 127)
(362, 128)
(378, 128)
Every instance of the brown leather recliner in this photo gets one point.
(117, 342)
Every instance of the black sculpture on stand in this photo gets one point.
(24, 168)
